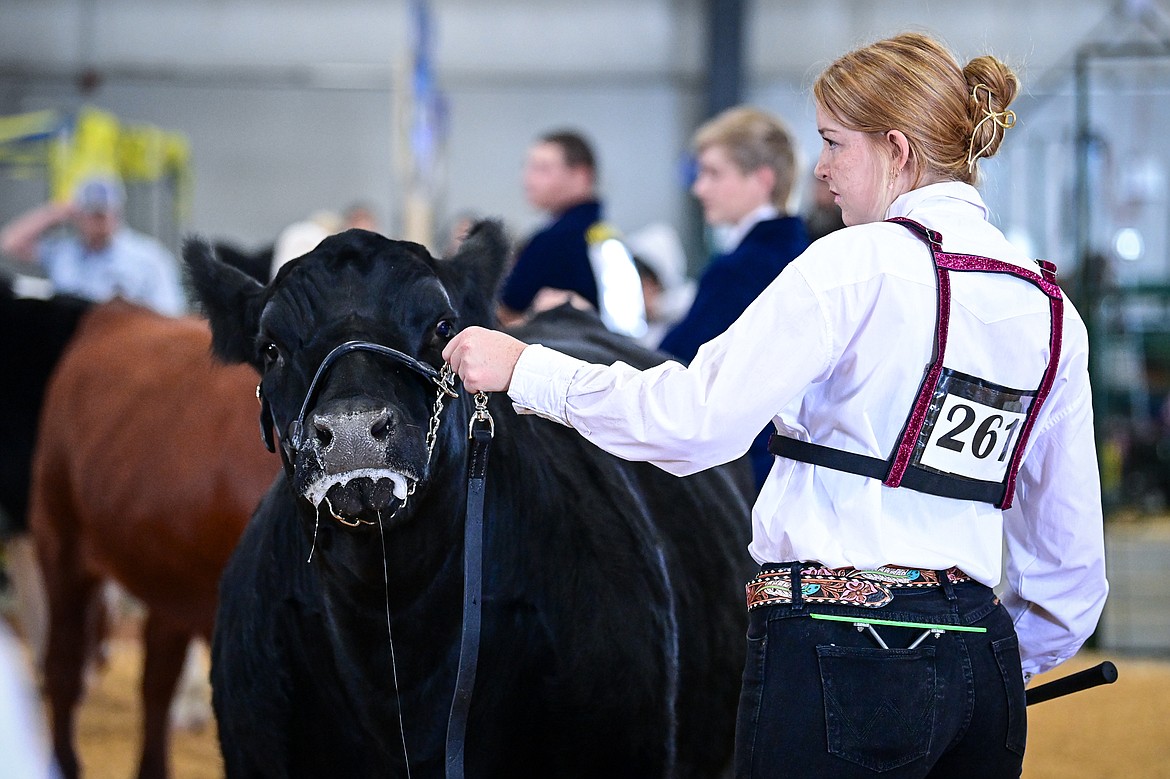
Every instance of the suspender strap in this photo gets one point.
(917, 479)
(1045, 281)
(898, 471)
(828, 457)
(1054, 341)
(905, 449)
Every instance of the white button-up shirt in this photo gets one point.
(833, 352)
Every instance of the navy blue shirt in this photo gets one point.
(557, 256)
(728, 285)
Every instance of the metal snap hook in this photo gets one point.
(480, 415)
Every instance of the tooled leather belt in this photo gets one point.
(870, 588)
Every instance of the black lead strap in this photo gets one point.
(481, 430)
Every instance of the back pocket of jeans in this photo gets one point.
(879, 703)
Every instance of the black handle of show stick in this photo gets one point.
(1104, 673)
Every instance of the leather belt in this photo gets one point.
(844, 586)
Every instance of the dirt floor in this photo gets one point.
(1118, 731)
(110, 722)
(1115, 731)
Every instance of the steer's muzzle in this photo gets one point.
(351, 440)
(352, 463)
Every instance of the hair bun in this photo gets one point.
(992, 88)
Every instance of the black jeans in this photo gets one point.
(822, 699)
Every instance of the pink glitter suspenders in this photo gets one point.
(965, 436)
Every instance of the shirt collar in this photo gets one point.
(734, 235)
(955, 192)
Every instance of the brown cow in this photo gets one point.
(147, 467)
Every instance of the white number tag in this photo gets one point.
(972, 428)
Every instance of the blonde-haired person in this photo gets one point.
(747, 166)
(930, 390)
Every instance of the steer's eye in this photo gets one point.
(269, 353)
(445, 329)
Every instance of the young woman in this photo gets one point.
(929, 388)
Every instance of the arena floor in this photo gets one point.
(1118, 731)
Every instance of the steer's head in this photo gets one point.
(356, 426)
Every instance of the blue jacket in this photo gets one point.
(557, 256)
(728, 285)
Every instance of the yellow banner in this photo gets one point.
(96, 143)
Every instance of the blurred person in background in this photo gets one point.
(302, 237)
(24, 745)
(296, 239)
(747, 170)
(455, 232)
(574, 258)
(86, 250)
(360, 215)
(662, 265)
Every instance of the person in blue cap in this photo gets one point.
(86, 249)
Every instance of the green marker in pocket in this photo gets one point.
(927, 628)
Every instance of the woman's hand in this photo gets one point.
(484, 359)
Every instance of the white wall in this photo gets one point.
(288, 103)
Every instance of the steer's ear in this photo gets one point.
(231, 300)
(479, 264)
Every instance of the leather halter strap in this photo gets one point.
(296, 438)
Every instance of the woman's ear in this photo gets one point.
(899, 148)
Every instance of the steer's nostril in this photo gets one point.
(324, 432)
(380, 426)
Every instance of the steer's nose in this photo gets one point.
(348, 440)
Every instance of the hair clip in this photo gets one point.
(1005, 119)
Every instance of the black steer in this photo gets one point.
(612, 592)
